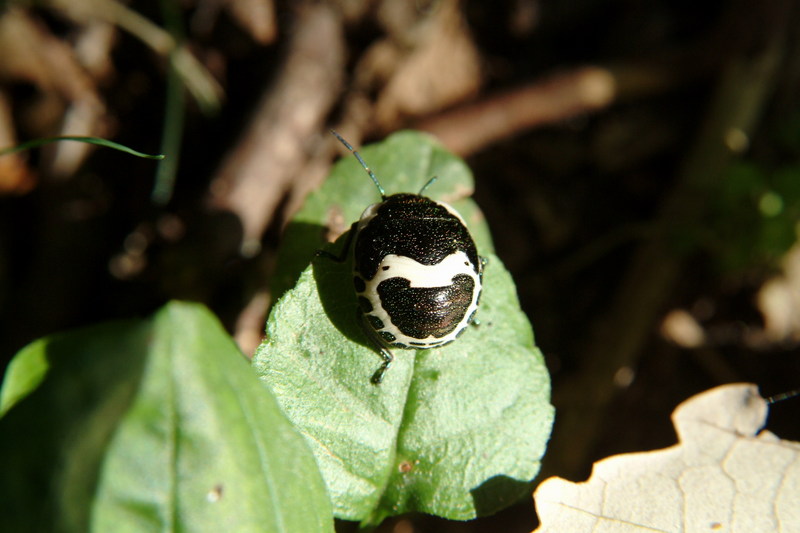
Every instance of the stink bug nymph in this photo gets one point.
(416, 271)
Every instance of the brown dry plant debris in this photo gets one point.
(265, 163)
(424, 65)
(73, 105)
(618, 337)
(467, 130)
(15, 176)
(256, 17)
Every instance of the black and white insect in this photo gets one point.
(416, 271)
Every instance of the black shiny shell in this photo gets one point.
(416, 311)
(413, 226)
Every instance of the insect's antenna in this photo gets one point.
(782, 396)
(363, 164)
(428, 184)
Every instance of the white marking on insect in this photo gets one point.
(438, 275)
(419, 275)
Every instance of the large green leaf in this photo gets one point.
(457, 431)
(156, 425)
(62, 397)
(204, 447)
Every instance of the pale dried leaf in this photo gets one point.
(257, 17)
(93, 47)
(83, 117)
(779, 301)
(433, 66)
(724, 475)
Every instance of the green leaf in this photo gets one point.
(152, 426)
(63, 396)
(456, 431)
(203, 447)
(25, 372)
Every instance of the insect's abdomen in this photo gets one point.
(427, 311)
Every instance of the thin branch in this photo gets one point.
(266, 162)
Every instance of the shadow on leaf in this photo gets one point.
(497, 493)
(300, 241)
(335, 288)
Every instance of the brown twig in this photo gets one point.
(265, 164)
(564, 95)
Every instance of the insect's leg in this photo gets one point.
(385, 354)
(377, 377)
(348, 241)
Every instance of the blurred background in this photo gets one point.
(638, 163)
